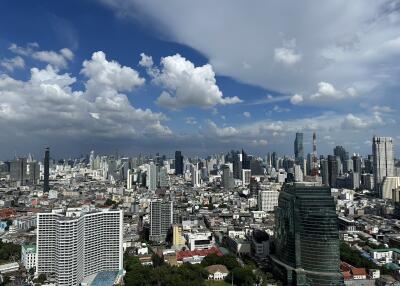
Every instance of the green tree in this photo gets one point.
(229, 261)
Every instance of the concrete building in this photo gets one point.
(383, 160)
(78, 243)
(246, 177)
(161, 219)
(28, 256)
(267, 200)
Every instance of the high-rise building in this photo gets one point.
(76, 244)
(298, 149)
(178, 163)
(340, 152)
(324, 172)
(46, 172)
(333, 170)
(246, 177)
(151, 178)
(382, 151)
(33, 172)
(356, 164)
(195, 176)
(18, 170)
(163, 177)
(274, 160)
(237, 165)
(161, 219)
(227, 177)
(129, 179)
(307, 237)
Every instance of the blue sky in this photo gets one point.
(200, 76)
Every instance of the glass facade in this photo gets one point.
(307, 239)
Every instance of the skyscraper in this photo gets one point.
(151, 178)
(18, 171)
(161, 218)
(76, 244)
(340, 152)
(298, 149)
(46, 173)
(307, 237)
(382, 151)
(178, 163)
(333, 170)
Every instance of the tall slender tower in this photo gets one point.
(46, 187)
(382, 150)
(314, 167)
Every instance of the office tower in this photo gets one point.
(163, 177)
(256, 167)
(91, 160)
(18, 169)
(298, 149)
(314, 159)
(227, 177)
(356, 164)
(151, 178)
(195, 176)
(161, 218)
(340, 152)
(368, 164)
(267, 200)
(178, 163)
(325, 172)
(237, 165)
(274, 160)
(46, 173)
(78, 243)
(33, 172)
(129, 179)
(333, 170)
(246, 177)
(245, 160)
(307, 237)
(383, 165)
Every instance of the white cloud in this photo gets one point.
(355, 123)
(246, 114)
(13, 63)
(326, 91)
(56, 59)
(47, 105)
(382, 108)
(109, 75)
(296, 99)
(359, 48)
(286, 56)
(186, 85)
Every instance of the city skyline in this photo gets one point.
(154, 82)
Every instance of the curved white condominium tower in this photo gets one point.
(74, 244)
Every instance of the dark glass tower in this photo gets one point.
(333, 170)
(298, 149)
(46, 187)
(178, 163)
(307, 238)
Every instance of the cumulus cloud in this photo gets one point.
(360, 48)
(46, 105)
(56, 59)
(296, 99)
(286, 56)
(13, 63)
(327, 91)
(246, 114)
(356, 123)
(185, 85)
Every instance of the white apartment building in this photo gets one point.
(77, 243)
(28, 256)
(267, 200)
(246, 176)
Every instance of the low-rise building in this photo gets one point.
(28, 256)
